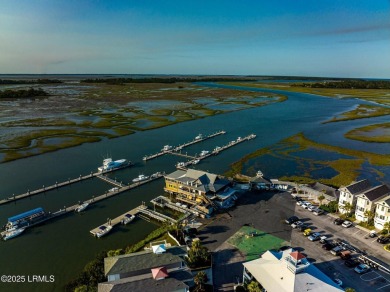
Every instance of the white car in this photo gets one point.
(300, 203)
(306, 205)
(311, 208)
(346, 224)
(318, 211)
(296, 224)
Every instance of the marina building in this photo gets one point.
(204, 190)
(382, 212)
(160, 269)
(365, 202)
(348, 194)
(287, 271)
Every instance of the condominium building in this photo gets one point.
(365, 202)
(348, 194)
(382, 212)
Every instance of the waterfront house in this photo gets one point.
(287, 271)
(200, 188)
(159, 269)
(348, 194)
(382, 212)
(366, 201)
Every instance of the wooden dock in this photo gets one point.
(118, 219)
(110, 181)
(58, 185)
(180, 147)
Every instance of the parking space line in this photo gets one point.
(378, 276)
(383, 287)
(357, 231)
(373, 241)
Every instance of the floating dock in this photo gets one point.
(180, 147)
(59, 185)
(118, 219)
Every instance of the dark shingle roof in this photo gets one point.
(143, 260)
(359, 187)
(125, 285)
(377, 192)
(328, 190)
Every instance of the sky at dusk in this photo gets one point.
(298, 37)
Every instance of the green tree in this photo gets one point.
(370, 216)
(253, 286)
(200, 280)
(321, 198)
(198, 255)
(350, 290)
(348, 208)
(386, 227)
(83, 288)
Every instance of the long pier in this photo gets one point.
(180, 147)
(94, 200)
(216, 151)
(110, 181)
(118, 219)
(59, 185)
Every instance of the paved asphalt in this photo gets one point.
(267, 211)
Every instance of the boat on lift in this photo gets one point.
(127, 219)
(167, 148)
(82, 207)
(204, 153)
(199, 137)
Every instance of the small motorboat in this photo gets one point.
(141, 177)
(103, 230)
(127, 219)
(82, 207)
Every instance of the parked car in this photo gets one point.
(372, 233)
(306, 205)
(338, 221)
(298, 198)
(303, 227)
(328, 246)
(323, 239)
(292, 220)
(351, 263)
(383, 239)
(362, 268)
(311, 208)
(346, 224)
(318, 211)
(296, 224)
(315, 236)
(299, 203)
(307, 232)
(345, 255)
(337, 250)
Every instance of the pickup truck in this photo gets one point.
(337, 250)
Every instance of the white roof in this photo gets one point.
(272, 273)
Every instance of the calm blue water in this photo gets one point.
(63, 247)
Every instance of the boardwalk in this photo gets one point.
(110, 181)
(197, 139)
(58, 185)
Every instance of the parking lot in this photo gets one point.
(333, 266)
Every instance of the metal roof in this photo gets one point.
(25, 214)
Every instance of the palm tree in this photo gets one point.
(348, 208)
(200, 280)
(386, 227)
(254, 287)
(321, 198)
(370, 216)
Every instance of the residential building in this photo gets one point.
(287, 271)
(348, 194)
(366, 201)
(160, 269)
(203, 189)
(382, 212)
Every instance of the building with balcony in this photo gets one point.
(382, 212)
(348, 194)
(287, 271)
(366, 201)
(203, 189)
(161, 269)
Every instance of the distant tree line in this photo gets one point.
(37, 81)
(351, 84)
(120, 81)
(23, 93)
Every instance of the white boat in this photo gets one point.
(239, 139)
(166, 148)
(141, 177)
(13, 233)
(155, 175)
(204, 153)
(113, 190)
(200, 136)
(127, 219)
(217, 149)
(196, 161)
(180, 164)
(82, 207)
(108, 164)
(103, 230)
(259, 174)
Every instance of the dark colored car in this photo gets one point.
(303, 227)
(351, 263)
(292, 220)
(338, 221)
(383, 239)
(283, 248)
(328, 246)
